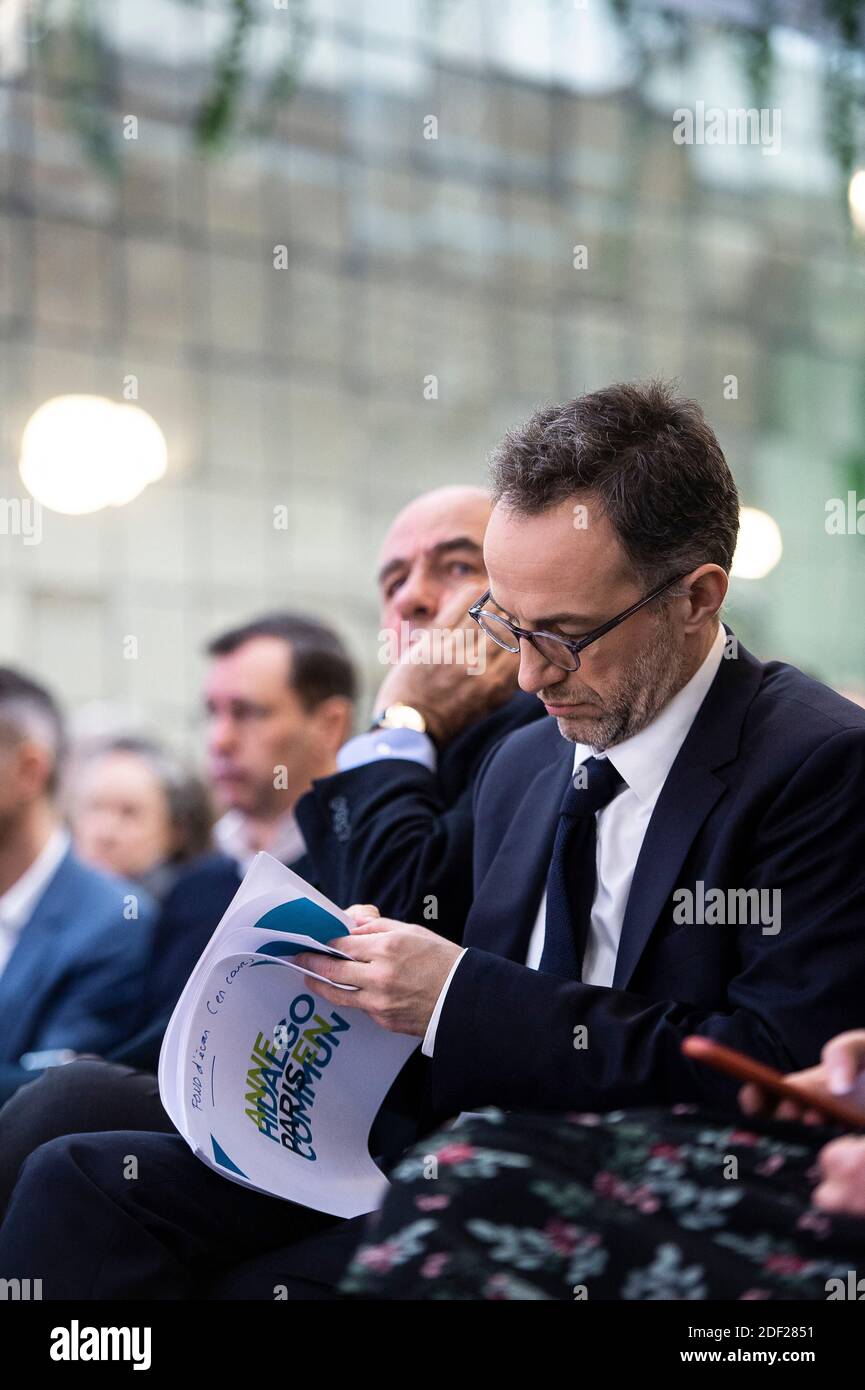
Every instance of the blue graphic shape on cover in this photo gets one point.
(305, 918)
(223, 1160)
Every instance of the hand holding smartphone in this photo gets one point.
(733, 1063)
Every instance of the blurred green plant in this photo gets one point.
(69, 46)
(839, 25)
(236, 102)
(219, 113)
(74, 51)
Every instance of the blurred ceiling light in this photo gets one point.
(82, 453)
(13, 44)
(856, 199)
(759, 547)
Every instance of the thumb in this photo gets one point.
(843, 1058)
(361, 913)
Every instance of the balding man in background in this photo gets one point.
(394, 825)
(74, 941)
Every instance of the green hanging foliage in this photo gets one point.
(72, 50)
(216, 115)
(235, 103)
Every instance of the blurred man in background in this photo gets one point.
(74, 942)
(278, 700)
(394, 826)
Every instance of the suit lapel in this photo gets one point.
(507, 900)
(687, 797)
(33, 965)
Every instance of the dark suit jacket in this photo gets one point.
(768, 790)
(77, 969)
(190, 915)
(395, 834)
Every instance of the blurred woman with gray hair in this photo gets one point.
(137, 812)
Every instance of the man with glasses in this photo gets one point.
(690, 858)
(678, 850)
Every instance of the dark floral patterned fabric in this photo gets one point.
(632, 1205)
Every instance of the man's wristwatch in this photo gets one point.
(400, 716)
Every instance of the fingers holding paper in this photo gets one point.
(366, 918)
(398, 970)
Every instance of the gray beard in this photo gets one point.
(650, 682)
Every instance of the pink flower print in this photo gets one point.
(563, 1237)
(434, 1264)
(379, 1258)
(455, 1153)
(770, 1165)
(785, 1264)
(668, 1151)
(644, 1199)
(606, 1184)
(814, 1221)
(432, 1203)
(496, 1288)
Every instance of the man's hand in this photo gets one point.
(399, 970)
(841, 1073)
(463, 677)
(842, 1177)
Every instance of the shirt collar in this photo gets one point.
(18, 902)
(645, 759)
(231, 835)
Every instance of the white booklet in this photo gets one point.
(269, 1084)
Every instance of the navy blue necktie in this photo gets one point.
(571, 879)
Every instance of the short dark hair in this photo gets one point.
(30, 711)
(320, 664)
(651, 459)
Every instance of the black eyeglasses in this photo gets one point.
(559, 651)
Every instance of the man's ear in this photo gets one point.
(707, 589)
(33, 767)
(334, 718)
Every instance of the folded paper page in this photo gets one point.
(270, 1084)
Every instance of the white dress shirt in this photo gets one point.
(18, 902)
(644, 762)
(231, 836)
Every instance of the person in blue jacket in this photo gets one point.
(74, 941)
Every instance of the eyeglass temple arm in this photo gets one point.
(620, 617)
(478, 604)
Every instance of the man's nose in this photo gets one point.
(220, 734)
(535, 671)
(104, 833)
(417, 599)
